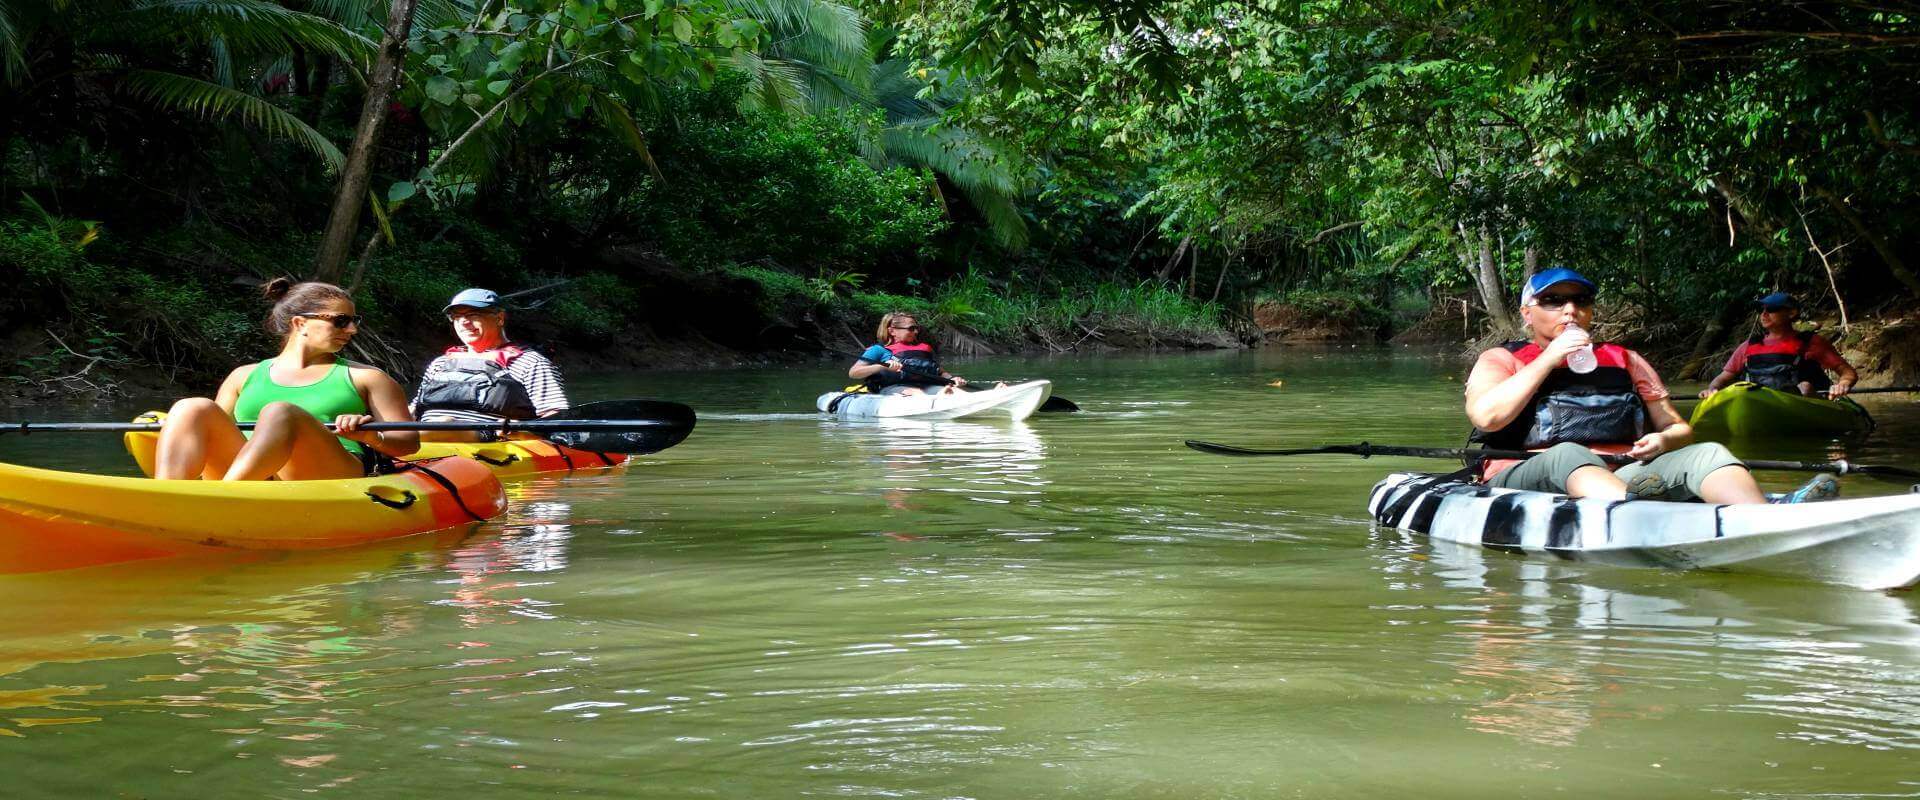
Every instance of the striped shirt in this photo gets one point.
(531, 369)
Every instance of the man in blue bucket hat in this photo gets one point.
(487, 377)
(1536, 394)
(1781, 357)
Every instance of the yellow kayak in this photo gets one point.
(517, 457)
(58, 520)
(1747, 411)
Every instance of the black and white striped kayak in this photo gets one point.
(1870, 542)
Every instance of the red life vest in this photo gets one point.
(1600, 407)
(918, 367)
(1783, 364)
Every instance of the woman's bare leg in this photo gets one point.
(198, 441)
(290, 444)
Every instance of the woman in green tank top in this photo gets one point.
(289, 398)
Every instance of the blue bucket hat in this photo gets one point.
(1545, 278)
(1777, 301)
(477, 299)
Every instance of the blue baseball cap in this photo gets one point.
(1776, 301)
(476, 299)
(1545, 278)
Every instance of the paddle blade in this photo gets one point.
(653, 425)
(1058, 403)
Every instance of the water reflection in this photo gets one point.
(1554, 647)
(487, 586)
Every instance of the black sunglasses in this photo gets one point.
(342, 321)
(906, 327)
(1582, 300)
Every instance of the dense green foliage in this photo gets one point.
(1021, 169)
(1689, 155)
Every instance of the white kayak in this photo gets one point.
(1871, 542)
(1017, 401)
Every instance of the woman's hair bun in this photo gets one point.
(275, 289)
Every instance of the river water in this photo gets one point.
(1076, 606)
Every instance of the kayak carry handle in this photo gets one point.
(406, 501)
(484, 457)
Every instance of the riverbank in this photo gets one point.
(89, 331)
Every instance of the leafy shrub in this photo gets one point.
(744, 188)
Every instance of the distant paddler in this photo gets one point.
(291, 397)
(901, 363)
(487, 377)
(1524, 395)
(1783, 358)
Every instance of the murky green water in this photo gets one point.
(1072, 607)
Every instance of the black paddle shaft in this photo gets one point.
(633, 427)
(1368, 450)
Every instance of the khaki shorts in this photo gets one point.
(1681, 471)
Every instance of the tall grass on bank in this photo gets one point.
(1013, 309)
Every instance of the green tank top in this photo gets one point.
(325, 399)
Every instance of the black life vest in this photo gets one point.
(478, 382)
(1600, 407)
(1783, 365)
(918, 367)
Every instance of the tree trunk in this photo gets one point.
(1179, 251)
(1530, 257)
(331, 262)
(1226, 260)
(1705, 347)
(1487, 277)
(1895, 264)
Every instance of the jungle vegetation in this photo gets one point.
(1021, 170)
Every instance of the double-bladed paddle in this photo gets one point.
(1823, 395)
(1054, 401)
(1368, 450)
(633, 427)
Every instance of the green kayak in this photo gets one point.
(1746, 411)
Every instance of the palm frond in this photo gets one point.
(13, 59)
(839, 26)
(772, 85)
(182, 93)
(619, 120)
(246, 25)
(896, 91)
(222, 63)
(972, 164)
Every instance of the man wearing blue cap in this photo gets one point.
(487, 377)
(1561, 395)
(1783, 358)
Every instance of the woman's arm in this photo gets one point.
(388, 402)
(229, 395)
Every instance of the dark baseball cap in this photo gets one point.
(1777, 301)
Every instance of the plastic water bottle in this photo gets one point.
(1581, 360)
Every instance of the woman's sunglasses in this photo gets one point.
(906, 327)
(341, 321)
